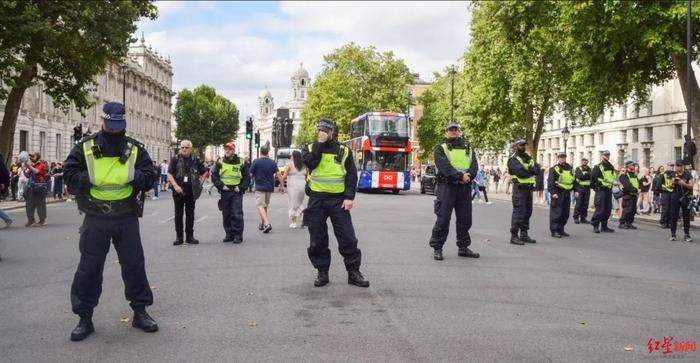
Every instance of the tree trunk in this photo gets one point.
(539, 126)
(14, 102)
(679, 63)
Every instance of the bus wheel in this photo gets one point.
(395, 191)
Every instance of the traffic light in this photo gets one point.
(257, 139)
(249, 129)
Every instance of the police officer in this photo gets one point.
(331, 187)
(583, 192)
(105, 172)
(456, 166)
(522, 169)
(560, 183)
(602, 177)
(679, 200)
(629, 186)
(230, 176)
(666, 186)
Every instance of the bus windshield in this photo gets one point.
(388, 126)
(384, 161)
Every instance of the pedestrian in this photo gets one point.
(36, 190)
(14, 176)
(540, 185)
(583, 192)
(105, 172)
(560, 184)
(331, 188)
(481, 183)
(263, 171)
(4, 184)
(617, 194)
(507, 180)
(164, 176)
(602, 178)
(156, 185)
(666, 187)
(645, 181)
(456, 167)
(523, 170)
(295, 176)
(679, 200)
(186, 174)
(57, 173)
(230, 176)
(497, 179)
(629, 187)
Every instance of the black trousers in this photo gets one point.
(35, 202)
(231, 206)
(581, 209)
(184, 202)
(559, 211)
(447, 198)
(665, 207)
(676, 207)
(629, 209)
(522, 210)
(13, 185)
(315, 216)
(95, 237)
(603, 207)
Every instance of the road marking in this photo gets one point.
(201, 218)
(168, 219)
(153, 214)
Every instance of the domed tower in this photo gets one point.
(266, 104)
(298, 92)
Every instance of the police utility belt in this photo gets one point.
(117, 208)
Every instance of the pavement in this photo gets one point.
(587, 298)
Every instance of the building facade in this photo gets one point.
(44, 128)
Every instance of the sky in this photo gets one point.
(239, 48)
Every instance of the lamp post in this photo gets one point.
(565, 133)
(690, 149)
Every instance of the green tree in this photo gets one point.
(436, 113)
(205, 118)
(63, 45)
(355, 80)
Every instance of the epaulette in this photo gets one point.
(135, 142)
(88, 137)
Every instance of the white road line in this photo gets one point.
(201, 218)
(153, 214)
(168, 219)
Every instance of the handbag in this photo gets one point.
(38, 187)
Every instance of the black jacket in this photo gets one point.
(446, 173)
(245, 175)
(553, 177)
(597, 173)
(312, 158)
(4, 173)
(580, 176)
(517, 169)
(626, 186)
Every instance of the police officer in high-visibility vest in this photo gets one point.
(560, 183)
(456, 166)
(680, 200)
(666, 187)
(523, 169)
(105, 172)
(629, 186)
(602, 177)
(331, 184)
(230, 176)
(582, 190)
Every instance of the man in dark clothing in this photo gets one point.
(560, 183)
(36, 170)
(456, 166)
(666, 187)
(230, 176)
(15, 169)
(679, 200)
(331, 189)
(602, 179)
(523, 170)
(186, 175)
(629, 186)
(583, 192)
(105, 172)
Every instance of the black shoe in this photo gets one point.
(144, 322)
(556, 234)
(237, 239)
(623, 226)
(356, 278)
(525, 238)
(261, 227)
(322, 279)
(228, 239)
(516, 241)
(177, 242)
(606, 229)
(192, 241)
(585, 221)
(437, 254)
(673, 237)
(82, 330)
(267, 229)
(687, 238)
(576, 221)
(631, 226)
(564, 234)
(664, 226)
(466, 252)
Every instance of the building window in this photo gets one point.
(23, 140)
(302, 94)
(650, 133)
(624, 111)
(623, 135)
(293, 115)
(678, 152)
(303, 82)
(59, 147)
(636, 111)
(635, 135)
(601, 138)
(635, 154)
(42, 144)
(650, 108)
(679, 131)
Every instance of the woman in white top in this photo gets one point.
(295, 176)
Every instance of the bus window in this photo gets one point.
(388, 126)
(390, 161)
(358, 128)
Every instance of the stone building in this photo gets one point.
(45, 128)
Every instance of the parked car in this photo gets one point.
(428, 180)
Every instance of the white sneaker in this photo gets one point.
(489, 203)
(155, 198)
(293, 226)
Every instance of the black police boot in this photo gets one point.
(576, 220)
(144, 321)
(437, 254)
(356, 278)
(556, 234)
(606, 229)
(515, 240)
(631, 226)
(585, 221)
(82, 330)
(178, 241)
(228, 239)
(466, 252)
(595, 228)
(564, 234)
(237, 239)
(525, 238)
(687, 238)
(322, 279)
(192, 241)
(623, 226)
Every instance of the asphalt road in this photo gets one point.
(584, 298)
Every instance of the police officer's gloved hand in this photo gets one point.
(83, 185)
(139, 182)
(316, 147)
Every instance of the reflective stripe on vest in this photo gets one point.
(566, 178)
(634, 181)
(608, 178)
(529, 180)
(458, 158)
(329, 174)
(230, 174)
(109, 178)
(667, 185)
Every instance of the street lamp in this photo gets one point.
(565, 133)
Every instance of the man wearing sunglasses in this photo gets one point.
(186, 175)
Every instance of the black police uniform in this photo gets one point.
(559, 206)
(603, 197)
(679, 203)
(522, 196)
(104, 223)
(451, 194)
(629, 200)
(665, 199)
(582, 174)
(321, 206)
(231, 202)
(182, 168)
